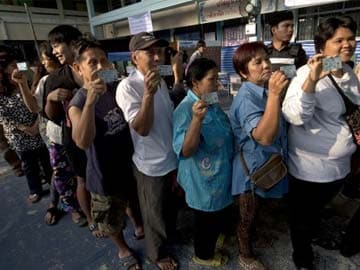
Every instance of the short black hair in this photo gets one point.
(200, 43)
(277, 17)
(84, 44)
(327, 28)
(198, 69)
(64, 33)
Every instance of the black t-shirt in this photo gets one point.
(109, 166)
(63, 78)
(292, 51)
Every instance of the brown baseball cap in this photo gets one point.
(144, 40)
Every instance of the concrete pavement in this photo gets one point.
(26, 243)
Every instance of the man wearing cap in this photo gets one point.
(281, 51)
(144, 99)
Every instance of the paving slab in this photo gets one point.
(26, 243)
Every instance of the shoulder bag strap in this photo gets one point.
(243, 162)
(349, 105)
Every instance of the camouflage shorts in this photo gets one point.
(108, 212)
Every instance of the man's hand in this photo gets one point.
(152, 80)
(95, 88)
(60, 95)
(177, 66)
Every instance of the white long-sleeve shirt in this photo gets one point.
(319, 140)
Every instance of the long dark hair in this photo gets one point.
(46, 49)
(6, 83)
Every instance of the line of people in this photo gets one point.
(120, 149)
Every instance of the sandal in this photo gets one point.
(252, 265)
(34, 198)
(328, 244)
(220, 241)
(217, 261)
(51, 216)
(130, 263)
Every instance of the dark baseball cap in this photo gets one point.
(280, 16)
(144, 40)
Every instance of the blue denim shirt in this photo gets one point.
(245, 113)
(206, 175)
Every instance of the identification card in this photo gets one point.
(108, 76)
(22, 66)
(332, 63)
(165, 70)
(210, 98)
(289, 71)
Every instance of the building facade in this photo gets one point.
(15, 29)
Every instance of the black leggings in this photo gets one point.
(208, 226)
(307, 199)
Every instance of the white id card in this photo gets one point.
(289, 71)
(109, 75)
(22, 66)
(332, 63)
(165, 70)
(210, 98)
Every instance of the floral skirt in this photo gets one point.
(64, 179)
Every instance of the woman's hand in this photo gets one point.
(30, 130)
(199, 109)
(18, 77)
(357, 137)
(316, 68)
(277, 83)
(176, 63)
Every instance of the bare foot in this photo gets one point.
(78, 219)
(95, 231)
(139, 233)
(166, 263)
(129, 261)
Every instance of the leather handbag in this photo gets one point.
(352, 113)
(269, 174)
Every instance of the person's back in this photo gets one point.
(199, 52)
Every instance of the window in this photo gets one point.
(102, 6)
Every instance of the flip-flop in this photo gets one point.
(130, 262)
(54, 216)
(217, 261)
(34, 198)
